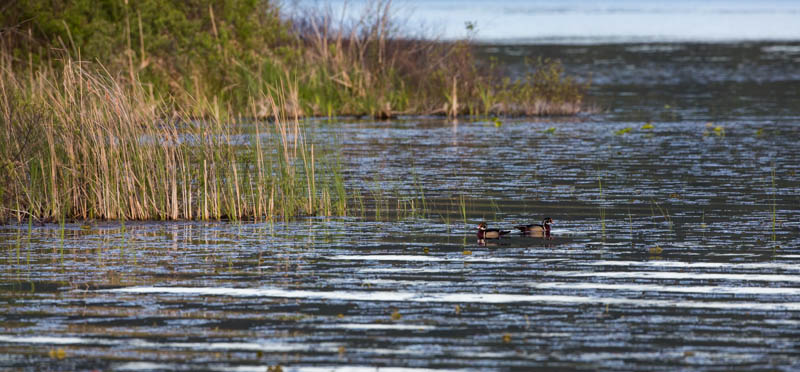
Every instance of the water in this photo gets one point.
(754, 81)
(675, 247)
(591, 21)
(672, 265)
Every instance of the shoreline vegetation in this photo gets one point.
(191, 110)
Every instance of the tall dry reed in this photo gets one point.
(78, 142)
(368, 65)
(371, 65)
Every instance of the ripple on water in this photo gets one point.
(493, 298)
(671, 266)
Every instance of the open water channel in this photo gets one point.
(674, 247)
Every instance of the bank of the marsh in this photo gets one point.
(233, 50)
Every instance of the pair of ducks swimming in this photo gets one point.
(542, 230)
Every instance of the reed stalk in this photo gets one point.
(774, 205)
(601, 208)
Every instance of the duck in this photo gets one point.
(536, 229)
(484, 233)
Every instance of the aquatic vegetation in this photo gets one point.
(370, 66)
(602, 208)
(623, 131)
(81, 143)
(664, 213)
(57, 353)
(543, 89)
(366, 65)
(630, 225)
(717, 130)
(462, 207)
(703, 220)
(647, 126)
(774, 204)
(487, 97)
(151, 133)
(550, 130)
(186, 288)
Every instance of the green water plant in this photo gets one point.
(717, 130)
(630, 225)
(462, 207)
(79, 142)
(543, 89)
(774, 205)
(664, 213)
(623, 131)
(602, 209)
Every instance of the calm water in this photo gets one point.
(676, 247)
(589, 21)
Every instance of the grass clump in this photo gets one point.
(543, 90)
(78, 142)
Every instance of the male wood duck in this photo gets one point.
(543, 229)
(484, 233)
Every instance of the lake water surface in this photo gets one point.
(674, 247)
(587, 21)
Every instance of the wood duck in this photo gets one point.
(543, 229)
(484, 233)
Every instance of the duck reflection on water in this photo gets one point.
(530, 230)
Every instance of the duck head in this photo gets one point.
(546, 222)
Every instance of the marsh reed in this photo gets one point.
(80, 143)
(369, 64)
(372, 65)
